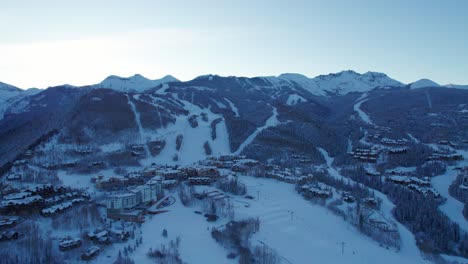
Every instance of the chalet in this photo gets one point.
(29, 201)
(426, 191)
(446, 157)
(28, 153)
(205, 171)
(70, 243)
(170, 173)
(403, 180)
(16, 196)
(200, 180)
(91, 253)
(366, 155)
(400, 150)
(393, 142)
(59, 208)
(169, 183)
(317, 190)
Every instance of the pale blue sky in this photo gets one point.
(49, 42)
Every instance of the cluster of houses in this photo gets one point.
(316, 190)
(301, 159)
(444, 156)
(284, 175)
(422, 186)
(447, 143)
(58, 166)
(106, 236)
(393, 142)
(397, 150)
(235, 163)
(46, 198)
(366, 155)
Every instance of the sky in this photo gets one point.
(45, 43)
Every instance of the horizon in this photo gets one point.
(52, 43)
(222, 76)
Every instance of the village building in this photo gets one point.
(200, 180)
(122, 206)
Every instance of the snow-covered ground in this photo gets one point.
(197, 246)
(192, 148)
(452, 207)
(270, 122)
(295, 99)
(301, 232)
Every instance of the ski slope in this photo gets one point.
(192, 149)
(357, 107)
(303, 233)
(270, 122)
(140, 127)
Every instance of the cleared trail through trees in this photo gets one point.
(140, 127)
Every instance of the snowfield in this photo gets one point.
(197, 246)
(294, 99)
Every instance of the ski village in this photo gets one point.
(195, 173)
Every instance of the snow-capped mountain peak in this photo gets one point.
(342, 82)
(456, 86)
(135, 83)
(423, 83)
